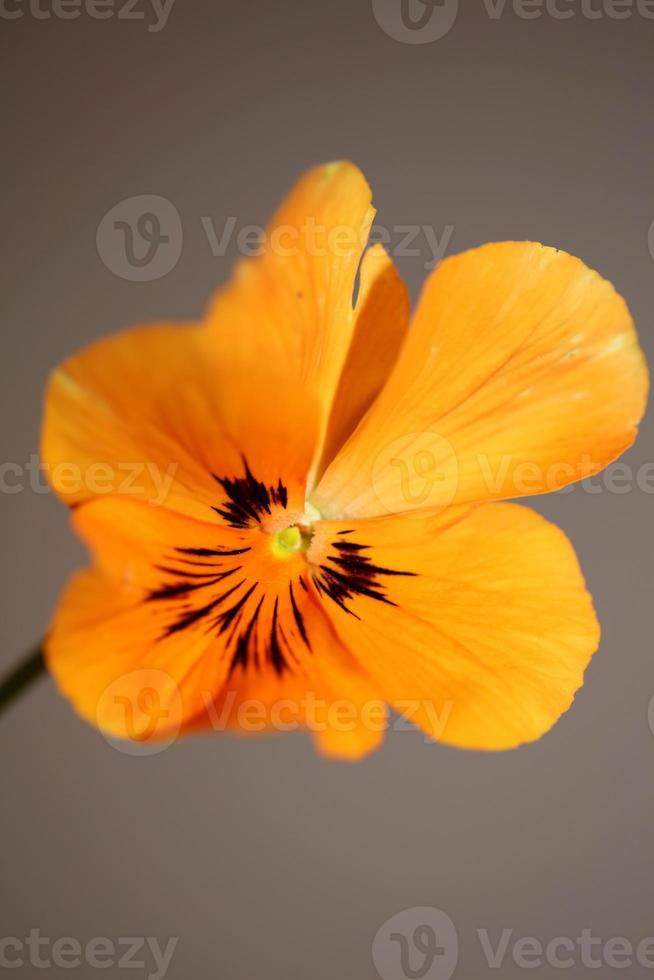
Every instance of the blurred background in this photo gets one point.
(496, 121)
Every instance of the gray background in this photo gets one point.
(266, 860)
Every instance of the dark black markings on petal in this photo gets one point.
(351, 574)
(183, 588)
(248, 499)
(349, 546)
(212, 552)
(240, 657)
(276, 655)
(169, 570)
(276, 648)
(190, 617)
(234, 613)
(299, 619)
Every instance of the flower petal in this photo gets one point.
(108, 657)
(134, 622)
(294, 302)
(475, 624)
(521, 373)
(155, 414)
(380, 328)
(331, 697)
(185, 625)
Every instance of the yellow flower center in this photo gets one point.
(287, 541)
(295, 537)
(290, 540)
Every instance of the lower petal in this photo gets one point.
(186, 626)
(330, 695)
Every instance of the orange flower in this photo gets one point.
(290, 505)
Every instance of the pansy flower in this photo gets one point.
(295, 507)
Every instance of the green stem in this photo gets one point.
(18, 679)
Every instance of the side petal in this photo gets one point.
(521, 373)
(476, 624)
(294, 302)
(128, 643)
(154, 414)
(108, 658)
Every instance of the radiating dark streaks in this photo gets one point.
(248, 499)
(235, 613)
(351, 574)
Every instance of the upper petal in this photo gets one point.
(294, 302)
(520, 374)
(476, 624)
(281, 372)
